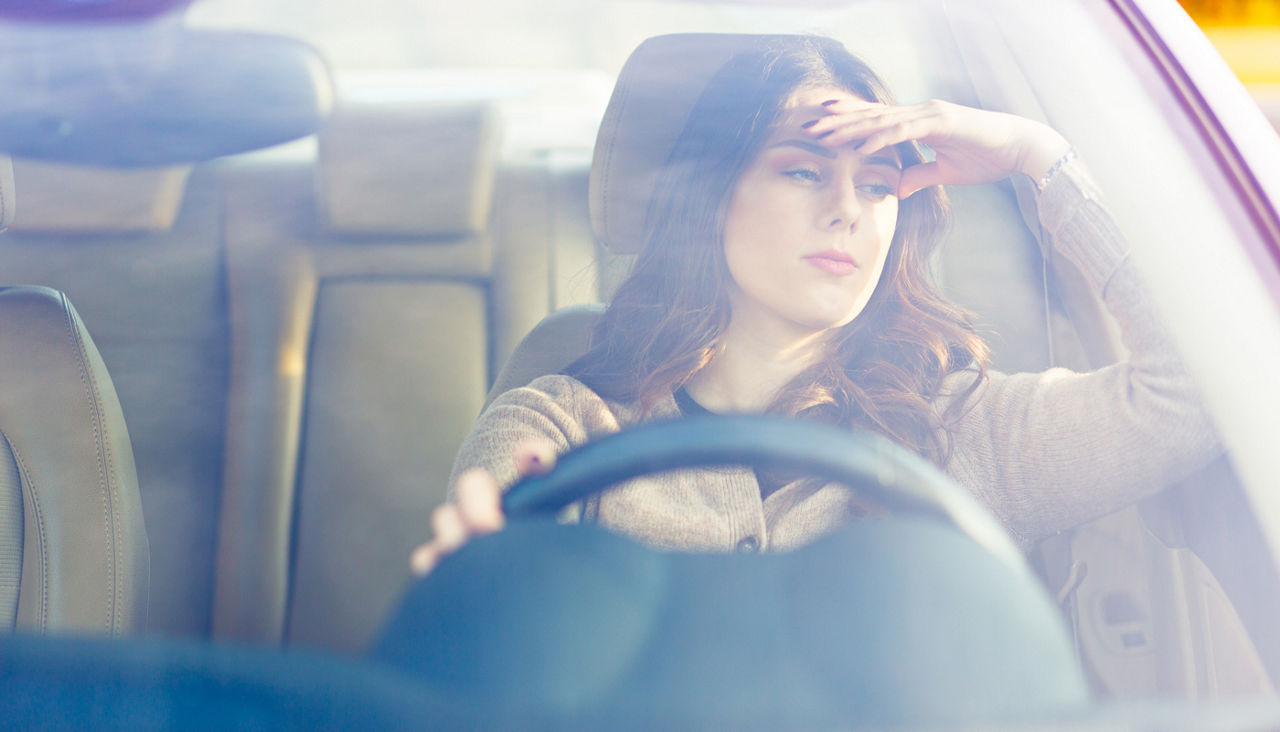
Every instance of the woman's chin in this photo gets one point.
(821, 322)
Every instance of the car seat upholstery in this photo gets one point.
(137, 251)
(138, 245)
(358, 360)
(85, 561)
(73, 546)
(373, 280)
(547, 349)
(69, 199)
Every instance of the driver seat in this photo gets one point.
(73, 549)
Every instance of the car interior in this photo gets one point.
(74, 544)
(304, 301)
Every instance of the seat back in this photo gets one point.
(121, 211)
(553, 344)
(358, 360)
(373, 279)
(73, 547)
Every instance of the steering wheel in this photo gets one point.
(898, 479)
(923, 618)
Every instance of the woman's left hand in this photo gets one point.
(970, 145)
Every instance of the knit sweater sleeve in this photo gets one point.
(557, 410)
(1050, 450)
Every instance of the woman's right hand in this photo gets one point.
(476, 508)
(970, 145)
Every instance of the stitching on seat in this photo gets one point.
(605, 208)
(42, 619)
(99, 441)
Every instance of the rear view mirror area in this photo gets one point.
(152, 94)
(59, 11)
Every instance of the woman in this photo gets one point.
(785, 271)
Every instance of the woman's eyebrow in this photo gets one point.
(885, 159)
(816, 149)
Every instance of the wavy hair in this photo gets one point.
(883, 372)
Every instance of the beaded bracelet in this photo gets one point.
(1053, 169)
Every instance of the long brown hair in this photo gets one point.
(884, 371)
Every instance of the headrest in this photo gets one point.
(153, 94)
(82, 199)
(6, 193)
(410, 168)
(655, 91)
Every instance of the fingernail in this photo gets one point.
(830, 102)
(808, 124)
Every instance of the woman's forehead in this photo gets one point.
(813, 96)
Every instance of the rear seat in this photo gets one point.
(298, 348)
(373, 288)
(138, 253)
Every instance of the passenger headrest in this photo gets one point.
(6, 193)
(74, 199)
(393, 167)
(153, 94)
(656, 90)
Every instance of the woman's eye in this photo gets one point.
(877, 191)
(806, 175)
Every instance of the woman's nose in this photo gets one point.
(844, 208)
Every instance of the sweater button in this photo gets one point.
(749, 545)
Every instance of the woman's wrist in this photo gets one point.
(1045, 152)
(1043, 181)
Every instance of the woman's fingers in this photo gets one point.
(447, 526)
(903, 131)
(919, 177)
(970, 145)
(836, 130)
(848, 121)
(477, 506)
(479, 501)
(425, 558)
(476, 510)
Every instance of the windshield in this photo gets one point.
(304, 334)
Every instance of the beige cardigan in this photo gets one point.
(1043, 451)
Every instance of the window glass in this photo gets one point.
(546, 70)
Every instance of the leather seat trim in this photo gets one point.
(12, 532)
(87, 565)
(106, 467)
(31, 498)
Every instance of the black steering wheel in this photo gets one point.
(928, 616)
(891, 475)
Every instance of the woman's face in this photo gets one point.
(808, 227)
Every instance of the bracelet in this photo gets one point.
(1053, 169)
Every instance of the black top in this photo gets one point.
(690, 408)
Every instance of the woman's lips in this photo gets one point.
(833, 262)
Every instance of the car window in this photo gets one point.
(303, 335)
